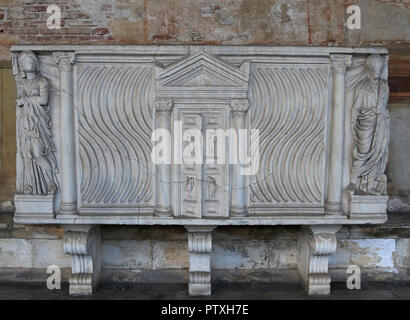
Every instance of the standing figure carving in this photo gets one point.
(211, 187)
(371, 129)
(35, 148)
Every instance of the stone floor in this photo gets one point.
(370, 291)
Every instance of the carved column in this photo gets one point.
(200, 248)
(316, 244)
(339, 64)
(82, 242)
(68, 205)
(164, 172)
(238, 202)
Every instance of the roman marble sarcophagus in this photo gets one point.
(201, 136)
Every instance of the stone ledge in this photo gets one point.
(397, 226)
(12, 276)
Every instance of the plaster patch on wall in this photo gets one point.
(402, 254)
(126, 254)
(396, 205)
(365, 253)
(15, 253)
(47, 252)
(170, 255)
(132, 10)
(254, 255)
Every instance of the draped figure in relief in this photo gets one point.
(371, 132)
(35, 148)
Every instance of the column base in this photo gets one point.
(334, 208)
(238, 211)
(69, 208)
(163, 212)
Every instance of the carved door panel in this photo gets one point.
(203, 184)
(191, 173)
(215, 174)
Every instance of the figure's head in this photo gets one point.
(28, 62)
(374, 66)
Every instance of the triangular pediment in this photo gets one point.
(202, 70)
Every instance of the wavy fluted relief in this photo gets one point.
(115, 124)
(289, 109)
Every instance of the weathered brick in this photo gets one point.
(26, 16)
(90, 38)
(35, 8)
(79, 31)
(81, 23)
(71, 7)
(101, 31)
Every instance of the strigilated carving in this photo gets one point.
(37, 173)
(115, 125)
(371, 128)
(289, 109)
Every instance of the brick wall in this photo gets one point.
(290, 22)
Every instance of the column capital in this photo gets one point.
(340, 62)
(239, 105)
(65, 60)
(164, 106)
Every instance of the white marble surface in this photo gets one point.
(105, 101)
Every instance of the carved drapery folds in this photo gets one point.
(37, 166)
(368, 135)
(370, 128)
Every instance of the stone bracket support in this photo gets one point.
(200, 248)
(83, 243)
(315, 246)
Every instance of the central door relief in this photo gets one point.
(203, 92)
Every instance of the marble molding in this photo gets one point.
(86, 117)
